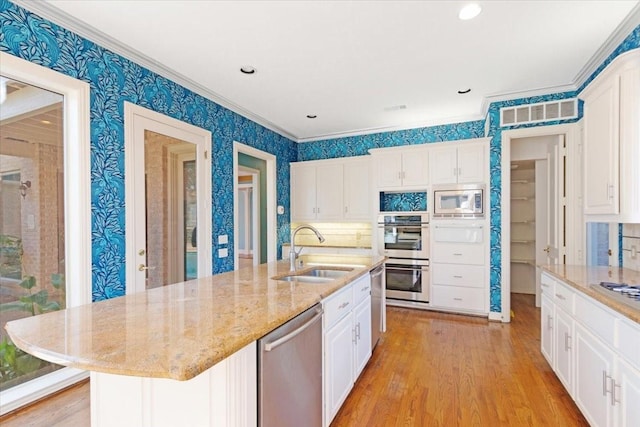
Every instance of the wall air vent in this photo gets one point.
(563, 109)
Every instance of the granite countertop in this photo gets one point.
(586, 279)
(181, 330)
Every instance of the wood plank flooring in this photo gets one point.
(429, 369)
(435, 369)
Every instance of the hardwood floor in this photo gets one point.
(435, 369)
(429, 369)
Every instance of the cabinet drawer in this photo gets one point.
(547, 285)
(337, 306)
(564, 297)
(458, 275)
(628, 341)
(458, 253)
(456, 297)
(594, 317)
(361, 289)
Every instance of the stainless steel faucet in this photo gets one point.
(292, 252)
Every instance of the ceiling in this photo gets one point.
(359, 66)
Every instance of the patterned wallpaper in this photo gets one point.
(403, 202)
(113, 80)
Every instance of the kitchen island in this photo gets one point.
(182, 353)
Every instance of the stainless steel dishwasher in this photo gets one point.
(290, 373)
(377, 304)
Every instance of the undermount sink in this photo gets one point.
(316, 275)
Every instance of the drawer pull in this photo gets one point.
(549, 322)
(560, 296)
(366, 288)
(605, 390)
(567, 342)
(343, 305)
(457, 299)
(457, 254)
(544, 285)
(458, 277)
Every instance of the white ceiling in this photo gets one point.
(350, 62)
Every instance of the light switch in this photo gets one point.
(223, 239)
(223, 253)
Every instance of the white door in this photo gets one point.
(555, 202)
(168, 200)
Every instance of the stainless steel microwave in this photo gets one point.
(462, 201)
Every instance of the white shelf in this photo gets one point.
(524, 222)
(523, 241)
(523, 198)
(523, 261)
(521, 181)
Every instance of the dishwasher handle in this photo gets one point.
(274, 344)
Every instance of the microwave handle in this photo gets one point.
(458, 226)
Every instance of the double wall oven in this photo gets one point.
(403, 237)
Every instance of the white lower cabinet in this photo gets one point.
(594, 351)
(347, 342)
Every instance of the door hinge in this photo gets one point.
(206, 154)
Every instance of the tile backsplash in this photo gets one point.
(339, 234)
(631, 246)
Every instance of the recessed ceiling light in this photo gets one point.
(470, 11)
(463, 91)
(45, 122)
(311, 116)
(248, 69)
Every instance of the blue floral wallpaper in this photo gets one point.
(113, 80)
(403, 202)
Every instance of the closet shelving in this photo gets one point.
(523, 224)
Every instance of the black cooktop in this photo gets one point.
(629, 291)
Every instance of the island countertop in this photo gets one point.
(181, 330)
(586, 279)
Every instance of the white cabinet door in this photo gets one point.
(357, 190)
(471, 163)
(601, 145)
(329, 192)
(563, 343)
(389, 170)
(415, 168)
(338, 365)
(443, 164)
(594, 370)
(627, 396)
(303, 193)
(362, 319)
(546, 328)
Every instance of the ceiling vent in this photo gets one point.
(542, 112)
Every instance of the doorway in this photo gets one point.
(168, 200)
(249, 217)
(267, 210)
(542, 221)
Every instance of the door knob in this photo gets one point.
(143, 267)
(547, 249)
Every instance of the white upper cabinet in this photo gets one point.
(331, 190)
(458, 163)
(401, 168)
(612, 142)
(357, 189)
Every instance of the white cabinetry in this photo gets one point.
(331, 190)
(461, 163)
(458, 274)
(401, 168)
(594, 351)
(612, 142)
(347, 342)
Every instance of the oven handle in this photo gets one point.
(458, 226)
(419, 267)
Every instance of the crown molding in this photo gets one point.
(613, 41)
(59, 17)
(381, 129)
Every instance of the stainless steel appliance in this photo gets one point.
(404, 234)
(407, 279)
(290, 373)
(377, 304)
(458, 201)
